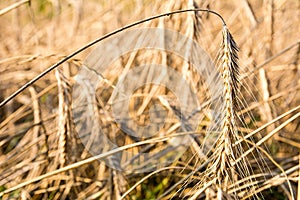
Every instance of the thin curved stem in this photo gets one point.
(98, 40)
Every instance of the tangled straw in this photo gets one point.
(224, 155)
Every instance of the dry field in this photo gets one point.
(232, 133)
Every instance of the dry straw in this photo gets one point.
(226, 172)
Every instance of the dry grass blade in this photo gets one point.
(13, 6)
(269, 135)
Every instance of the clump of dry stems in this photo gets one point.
(246, 143)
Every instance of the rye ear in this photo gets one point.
(225, 154)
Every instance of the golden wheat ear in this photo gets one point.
(230, 67)
(223, 170)
(225, 155)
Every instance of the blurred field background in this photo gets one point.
(36, 131)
